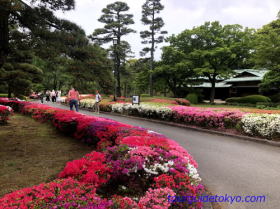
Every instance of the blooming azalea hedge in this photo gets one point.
(267, 125)
(5, 112)
(264, 123)
(131, 167)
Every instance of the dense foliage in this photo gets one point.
(116, 25)
(252, 99)
(210, 51)
(154, 35)
(267, 55)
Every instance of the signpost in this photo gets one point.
(136, 99)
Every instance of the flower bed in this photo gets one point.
(131, 167)
(217, 118)
(207, 117)
(188, 115)
(5, 112)
(266, 125)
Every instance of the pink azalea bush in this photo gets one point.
(131, 167)
(207, 117)
(5, 112)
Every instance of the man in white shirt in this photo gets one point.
(97, 101)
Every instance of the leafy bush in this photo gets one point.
(264, 125)
(275, 98)
(233, 100)
(252, 99)
(193, 98)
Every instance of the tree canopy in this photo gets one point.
(116, 25)
(153, 36)
(267, 55)
(214, 50)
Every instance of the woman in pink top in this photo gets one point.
(74, 97)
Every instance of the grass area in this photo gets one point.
(32, 152)
(3, 95)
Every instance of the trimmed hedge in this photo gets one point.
(193, 98)
(252, 99)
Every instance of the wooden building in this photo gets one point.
(243, 82)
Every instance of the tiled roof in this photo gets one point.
(257, 75)
(218, 85)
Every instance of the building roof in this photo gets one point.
(218, 85)
(243, 79)
(258, 73)
(240, 75)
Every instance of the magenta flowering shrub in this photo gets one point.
(5, 112)
(207, 117)
(131, 167)
(63, 193)
(156, 198)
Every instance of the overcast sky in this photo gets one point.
(179, 15)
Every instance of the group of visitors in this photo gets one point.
(74, 98)
(53, 96)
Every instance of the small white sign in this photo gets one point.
(135, 99)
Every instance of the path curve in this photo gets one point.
(227, 165)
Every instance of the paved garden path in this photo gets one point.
(227, 165)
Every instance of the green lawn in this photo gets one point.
(3, 95)
(32, 152)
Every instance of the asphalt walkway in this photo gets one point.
(227, 165)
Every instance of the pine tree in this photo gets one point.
(153, 36)
(36, 16)
(116, 22)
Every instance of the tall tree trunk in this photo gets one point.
(125, 89)
(9, 91)
(118, 65)
(213, 88)
(4, 32)
(152, 57)
(118, 77)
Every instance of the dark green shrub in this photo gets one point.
(252, 99)
(192, 98)
(275, 98)
(233, 100)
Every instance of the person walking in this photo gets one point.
(48, 94)
(74, 97)
(41, 96)
(53, 96)
(97, 101)
(58, 95)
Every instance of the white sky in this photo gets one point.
(179, 15)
